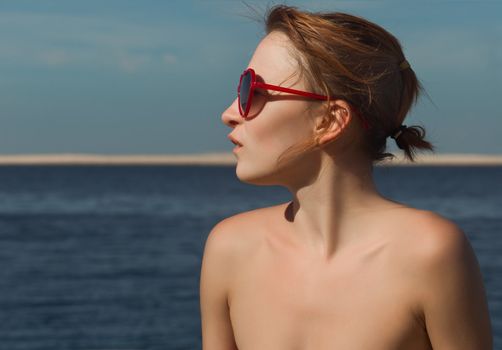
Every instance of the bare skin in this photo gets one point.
(340, 267)
(373, 294)
(284, 297)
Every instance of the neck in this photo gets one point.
(328, 213)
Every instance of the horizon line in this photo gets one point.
(222, 158)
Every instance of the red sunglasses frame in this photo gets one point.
(256, 84)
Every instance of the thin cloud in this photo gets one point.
(169, 58)
(453, 50)
(132, 63)
(55, 57)
(73, 40)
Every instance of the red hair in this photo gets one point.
(354, 59)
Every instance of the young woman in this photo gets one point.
(339, 266)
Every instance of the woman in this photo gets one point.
(340, 266)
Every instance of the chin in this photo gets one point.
(255, 175)
(261, 175)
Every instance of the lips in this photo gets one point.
(234, 140)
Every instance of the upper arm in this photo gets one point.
(453, 297)
(217, 263)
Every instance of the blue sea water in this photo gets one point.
(108, 257)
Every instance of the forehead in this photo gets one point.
(272, 59)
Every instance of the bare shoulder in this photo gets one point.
(434, 237)
(447, 283)
(428, 240)
(428, 246)
(239, 233)
(227, 244)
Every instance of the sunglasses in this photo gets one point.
(252, 100)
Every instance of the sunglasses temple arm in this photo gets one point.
(291, 91)
(366, 124)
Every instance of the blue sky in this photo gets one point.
(152, 77)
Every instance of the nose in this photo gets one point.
(231, 116)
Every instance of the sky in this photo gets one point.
(153, 77)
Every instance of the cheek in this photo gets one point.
(267, 137)
(281, 126)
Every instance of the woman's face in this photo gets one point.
(282, 122)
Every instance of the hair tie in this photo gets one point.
(403, 65)
(395, 134)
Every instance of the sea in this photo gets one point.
(108, 257)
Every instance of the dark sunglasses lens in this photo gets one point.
(244, 91)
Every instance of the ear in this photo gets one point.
(332, 121)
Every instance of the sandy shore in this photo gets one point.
(221, 159)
